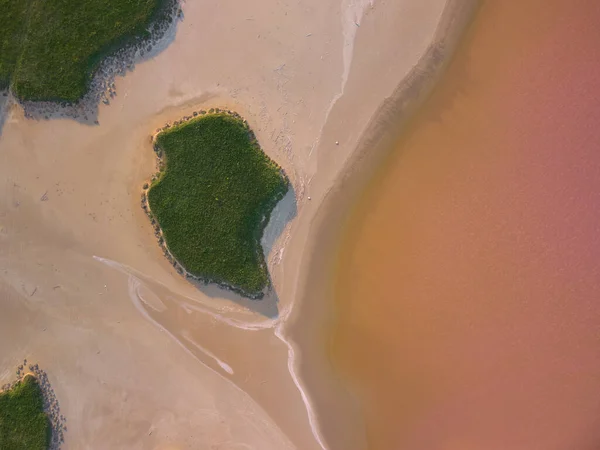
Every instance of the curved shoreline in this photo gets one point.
(314, 305)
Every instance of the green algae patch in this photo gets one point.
(213, 198)
(50, 49)
(23, 423)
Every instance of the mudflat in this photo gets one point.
(467, 278)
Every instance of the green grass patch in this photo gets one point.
(49, 49)
(23, 423)
(213, 200)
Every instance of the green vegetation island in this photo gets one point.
(212, 198)
(30, 416)
(51, 49)
(23, 423)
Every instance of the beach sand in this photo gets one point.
(466, 286)
(139, 358)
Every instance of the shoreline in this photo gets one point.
(315, 302)
(466, 269)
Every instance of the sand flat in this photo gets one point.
(138, 357)
(467, 282)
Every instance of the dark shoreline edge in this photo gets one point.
(336, 403)
(158, 233)
(115, 60)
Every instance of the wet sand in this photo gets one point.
(138, 357)
(467, 280)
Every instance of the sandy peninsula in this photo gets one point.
(138, 357)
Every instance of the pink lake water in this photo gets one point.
(468, 280)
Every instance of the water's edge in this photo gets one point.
(311, 318)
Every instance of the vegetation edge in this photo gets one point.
(158, 233)
(123, 49)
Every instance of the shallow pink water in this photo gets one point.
(468, 289)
